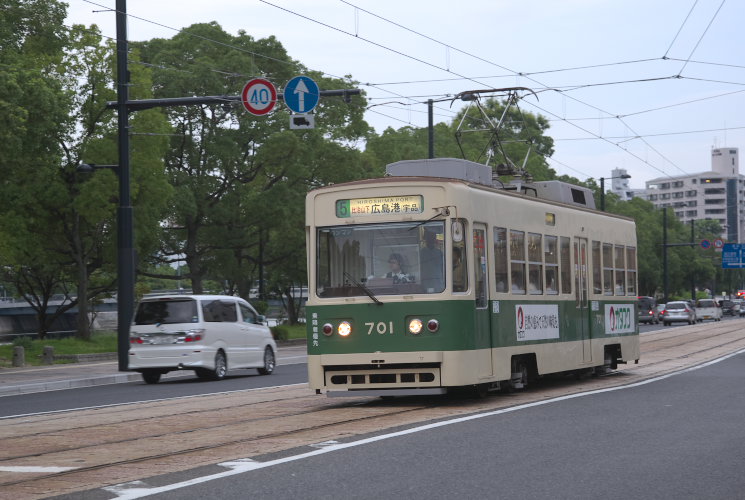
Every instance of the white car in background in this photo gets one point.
(205, 333)
(708, 309)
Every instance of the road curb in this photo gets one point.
(56, 385)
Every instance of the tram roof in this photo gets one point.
(394, 179)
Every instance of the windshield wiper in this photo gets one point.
(363, 287)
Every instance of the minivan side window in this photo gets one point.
(248, 315)
(216, 311)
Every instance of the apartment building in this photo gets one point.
(717, 194)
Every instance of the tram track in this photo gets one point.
(118, 444)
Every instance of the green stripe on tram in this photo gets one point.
(385, 328)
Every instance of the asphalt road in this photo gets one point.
(183, 385)
(674, 438)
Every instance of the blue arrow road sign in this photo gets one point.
(301, 94)
(733, 256)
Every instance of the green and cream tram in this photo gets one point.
(436, 277)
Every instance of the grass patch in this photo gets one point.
(289, 332)
(99, 342)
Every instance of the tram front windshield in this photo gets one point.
(386, 259)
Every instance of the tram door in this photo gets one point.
(581, 296)
(481, 291)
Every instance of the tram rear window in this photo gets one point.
(387, 259)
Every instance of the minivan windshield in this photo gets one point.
(388, 259)
(166, 311)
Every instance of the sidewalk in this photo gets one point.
(28, 379)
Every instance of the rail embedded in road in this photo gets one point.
(149, 437)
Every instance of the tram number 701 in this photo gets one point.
(381, 327)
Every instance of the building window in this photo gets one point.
(677, 184)
(690, 193)
(678, 194)
(665, 185)
(692, 213)
(714, 201)
(652, 197)
(715, 191)
(665, 196)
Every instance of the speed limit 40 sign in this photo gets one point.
(259, 96)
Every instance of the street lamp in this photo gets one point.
(602, 188)
(125, 261)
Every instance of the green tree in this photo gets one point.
(520, 140)
(58, 227)
(240, 180)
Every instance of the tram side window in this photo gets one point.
(551, 257)
(517, 261)
(566, 265)
(631, 271)
(607, 269)
(479, 266)
(535, 264)
(620, 271)
(460, 266)
(500, 259)
(597, 268)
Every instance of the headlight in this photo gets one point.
(344, 328)
(415, 326)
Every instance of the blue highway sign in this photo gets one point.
(301, 94)
(733, 256)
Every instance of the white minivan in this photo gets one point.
(205, 333)
(708, 309)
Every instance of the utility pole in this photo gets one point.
(664, 254)
(125, 234)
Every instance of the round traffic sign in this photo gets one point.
(301, 94)
(705, 244)
(259, 96)
(718, 243)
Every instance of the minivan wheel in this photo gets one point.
(221, 366)
(151, 376)
(269, 362)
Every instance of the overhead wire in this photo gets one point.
(463, 77)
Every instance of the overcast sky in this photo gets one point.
(646, 85)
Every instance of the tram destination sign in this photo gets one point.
(383, 205)
(733, 256)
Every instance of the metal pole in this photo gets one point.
(431, 132)
(693, 280)
(602, 194)
(125, 247)
(664, 254)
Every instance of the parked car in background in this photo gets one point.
(708, 309)
(205, 333)
(739, 307)
(730, 308)
(646, 310)
(678, 311)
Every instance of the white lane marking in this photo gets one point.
(33, 469)
(247, 467)
(324, 444)
(149, 401)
